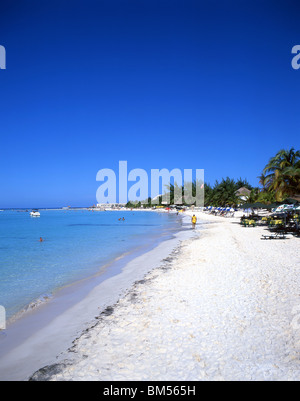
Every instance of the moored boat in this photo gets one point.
(35, 213)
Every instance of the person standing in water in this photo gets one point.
(194, 221)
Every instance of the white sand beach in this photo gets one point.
(224, 306)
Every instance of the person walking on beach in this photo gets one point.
(194, 221)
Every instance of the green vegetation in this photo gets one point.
(280, 179)
(224, 193)
(146, 204)
(281, 176)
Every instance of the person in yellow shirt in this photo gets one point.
(194, 221)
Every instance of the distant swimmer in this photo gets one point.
(123, 219)
(41, 239)
(194, 221)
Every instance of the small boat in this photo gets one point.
(35, 213)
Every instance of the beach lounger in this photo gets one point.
(248, 223)
(275, 235)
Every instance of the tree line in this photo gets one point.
(280, 179)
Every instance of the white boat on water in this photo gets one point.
(35, 213)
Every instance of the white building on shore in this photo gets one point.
(110, 206)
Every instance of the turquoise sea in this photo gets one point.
(77, 244)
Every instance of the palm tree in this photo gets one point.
(243, 183)
(282, 173)
(224, 193)
(253, 196)
(208, 197)
(264, 181)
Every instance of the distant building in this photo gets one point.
(243, 193)
(110, 205)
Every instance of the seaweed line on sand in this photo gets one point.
(47, 372)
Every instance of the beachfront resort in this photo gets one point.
(216, 300)
(223, 306)
(149, 193)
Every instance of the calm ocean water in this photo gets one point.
(76, 245)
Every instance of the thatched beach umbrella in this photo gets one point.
(246, 206)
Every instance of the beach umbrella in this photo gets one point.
(281, 208)
(290, 208)
(290, 201)
(258, 205)
(272, 206)
(245, 206)
(269, 207)
(287, 207)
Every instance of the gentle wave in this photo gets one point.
(29, 308)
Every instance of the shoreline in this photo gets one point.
(99, 269)
(224, 307)
(70, 311)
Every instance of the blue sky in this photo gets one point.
(161, 84)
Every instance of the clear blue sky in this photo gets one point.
(161, 84)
